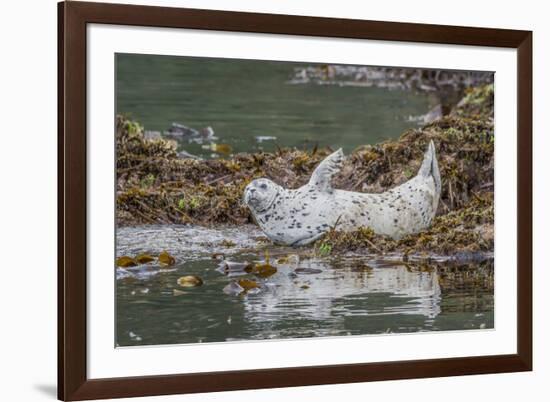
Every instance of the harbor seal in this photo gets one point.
(301, 216)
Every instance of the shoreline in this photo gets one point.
(155, 186)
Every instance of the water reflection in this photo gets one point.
(345, 291)
(348, 295)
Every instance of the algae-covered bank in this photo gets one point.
(193, 266)
(155, 185)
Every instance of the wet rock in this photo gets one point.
(233, 289)
(232, 268)
(433, 114)
(261, 138)
(186, 155)
(389, 77)
(181, 130)
(152, 135)
(177, 292)
(307, 271)
(184, 132)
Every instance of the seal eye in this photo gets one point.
(263, 186)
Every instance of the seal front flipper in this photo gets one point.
(323, 174)
(307, 240)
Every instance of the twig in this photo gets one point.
(279, 150)
(336, 223)
(131, 168)
(360, 181)
(491, 184)
(451, 195)
(445, 205)
(374, 246)
(387, 158)
(144, 217)
(218, 179)
(150, 210)
(314, 149)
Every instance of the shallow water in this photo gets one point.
(317, 296)
(252, 106)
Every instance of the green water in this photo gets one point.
(321, 296)
(242, 100)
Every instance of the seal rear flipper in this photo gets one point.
(323, 174)
(430, 167)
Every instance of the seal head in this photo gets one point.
(260, 194)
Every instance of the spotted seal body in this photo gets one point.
(298, 217)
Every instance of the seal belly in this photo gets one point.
(301, 218)
(403, 210)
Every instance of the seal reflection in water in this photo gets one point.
(301, 216)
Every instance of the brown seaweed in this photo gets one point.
(155, 186)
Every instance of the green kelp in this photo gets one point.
(154, 185)
(164, 259)
(161, 188)
(144, 258)
(477, 102)
(126, 261)
(190, 281)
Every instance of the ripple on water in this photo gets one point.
(305, 298)
(185, 241)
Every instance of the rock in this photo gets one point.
(307, 271)
(434, 114)
(186, 155)
(183, 132)
(262, 138)
(180, 130)
(233, 289)
(232, 268)
(152, 135)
